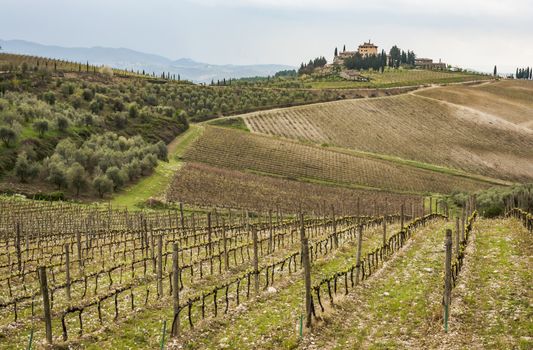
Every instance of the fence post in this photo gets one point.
(175, 290)
(447, 278)
(256, 260)
(67, 270)
(46, 303)
(307, 272)
(358, 257)
(160, 265)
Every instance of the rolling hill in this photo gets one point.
(413, 127)
(123, 58)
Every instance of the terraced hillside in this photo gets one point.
(239, 150)
(411, 127)
(510, 100)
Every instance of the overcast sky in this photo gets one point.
(470, 33)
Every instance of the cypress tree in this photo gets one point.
(335, 53)
(344, 48)
(495, 71)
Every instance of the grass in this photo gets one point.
(154, 186)
(394, 306)
(492, 305)
(234, 123)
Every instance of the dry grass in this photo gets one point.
(233, 149)
(410, 127)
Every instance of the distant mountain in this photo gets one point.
(130, 59)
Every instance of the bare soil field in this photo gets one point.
(243, 151)
(411, 127)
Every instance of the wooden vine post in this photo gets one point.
(182, 219)
(457, 235)
(43, 281)
(160, 265)
(334, 222)
(463, 225)
(67, 270)
(256, 260)
(358, 256)
(17, 243)
(209, 235)
(270, 233)
(401, 216)
(447, 278)
(78, 243)
(175, 290)
(307, 272)
(225, 244)
(384, 231)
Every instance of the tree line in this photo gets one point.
(524, 73)
(311, 65)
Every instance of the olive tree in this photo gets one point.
(77, 177)
(7, 135)
(41, 126)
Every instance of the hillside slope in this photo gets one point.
(244, 151)
(510, 100)
(410, 127)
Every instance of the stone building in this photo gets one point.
(367, 49)
(427, 63)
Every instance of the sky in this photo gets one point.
(476, 34)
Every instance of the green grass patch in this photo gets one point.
(233, 123)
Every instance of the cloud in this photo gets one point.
(470, 8)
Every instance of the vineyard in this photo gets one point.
(237, 150)
(409, 127)
(397, 77)
(86, 267)
(510, 100)
(205, 186)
